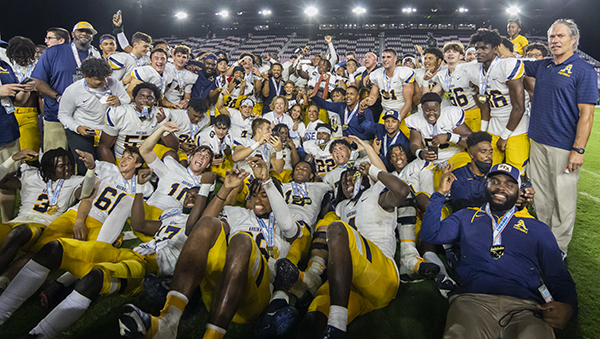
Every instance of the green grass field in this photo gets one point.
(418, 312)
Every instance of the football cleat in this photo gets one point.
(276, 321)
(334, 333)
(428, 270)
(133, 322)
(157, 289)
(287, 274)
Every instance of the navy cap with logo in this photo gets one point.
(507, 169)
(391, 113)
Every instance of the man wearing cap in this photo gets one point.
(386, 135)
(58, 68)
(512, 281)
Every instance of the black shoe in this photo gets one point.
(428, 270)
(286, 276)
(54, 293)
(278, 319)
(334, 333)
(157, 289)
(133, 322)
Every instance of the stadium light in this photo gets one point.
(181, 15)
(513, 10)
(265, 12)
(409, 10)
(223, 13)
(463, 10)
(359, 10)
(311, 11)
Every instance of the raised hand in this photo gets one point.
(87, 159)
(446, 180)
(234, 178)
(144, 175)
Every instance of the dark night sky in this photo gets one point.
(32, 17)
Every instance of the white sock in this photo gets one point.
(281, 295)
(63, 315)
(312, 276)
(67, 279)
(338, 317)
(432, 257)
(26, 282)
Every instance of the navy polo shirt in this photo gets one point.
(558, 91)
(354, 127)
(272, 93)
(204, 84)
(56, 67)
(10, 126)
(468, 190)
(381, 133)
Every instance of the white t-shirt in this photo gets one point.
(285, 119)
(84, 106)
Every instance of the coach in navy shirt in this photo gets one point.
(562, 113)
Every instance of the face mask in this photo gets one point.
(483, 167)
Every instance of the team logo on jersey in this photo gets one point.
(566, 71)
(3, 70)
(521, 226)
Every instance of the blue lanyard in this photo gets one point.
(498, 227)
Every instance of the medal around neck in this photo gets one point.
(497, 251)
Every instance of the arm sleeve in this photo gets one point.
(113, 225)
(333, 57)
(281, 211)
(555, 273)
(434, 230)
(326, 105)
(122, 38)
(159, 167)
(66, 109)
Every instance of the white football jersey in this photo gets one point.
(187, 131)
(113, 190)
(500, 71)
(323, 160)
(264, 152)
(332, 179)
(174, 182)
(149, 74)
(35, 200)
(450, 118)
(244, 220)
(209, 138)
(457, 84)
(122, 64)
(169, 240)
(243, 127)
(124, 123)
(285, 119)
(182, 83)
(304, 209)
(372, 221)
(418, 175)
(310, 131)
(390, 88)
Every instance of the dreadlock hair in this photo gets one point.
(340, 191)
(256, 184)
(49, 159)
(21, 50)
(487, 36)
(478, 137)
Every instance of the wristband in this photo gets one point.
(279, 155)
(505, 134)
(268, 182)
(255, 145)
(8, 162)
(418, 154)
(374, 171)
(454, 138)
(204, 190)
(91, 173)
(484, 125)
(139, 188)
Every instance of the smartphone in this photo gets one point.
(433, 149)
(26, 80)
(275, 134)
(119, 13)
(90, 131)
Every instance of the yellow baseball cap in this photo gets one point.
(84, 25)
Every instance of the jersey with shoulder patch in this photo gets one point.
(169, 240)
(209, 138)
(187, 131)
(124, 123)
(181, 84)
(457, 84)
(244, 220)
(264, 152)
(305, 200)
(390, 88)
(113, 190)
(500, 71)
(450, 118)
(149, 74)
(322, 157)
(372, 221)
(121, 64)
(174, 182)
(35, 200)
